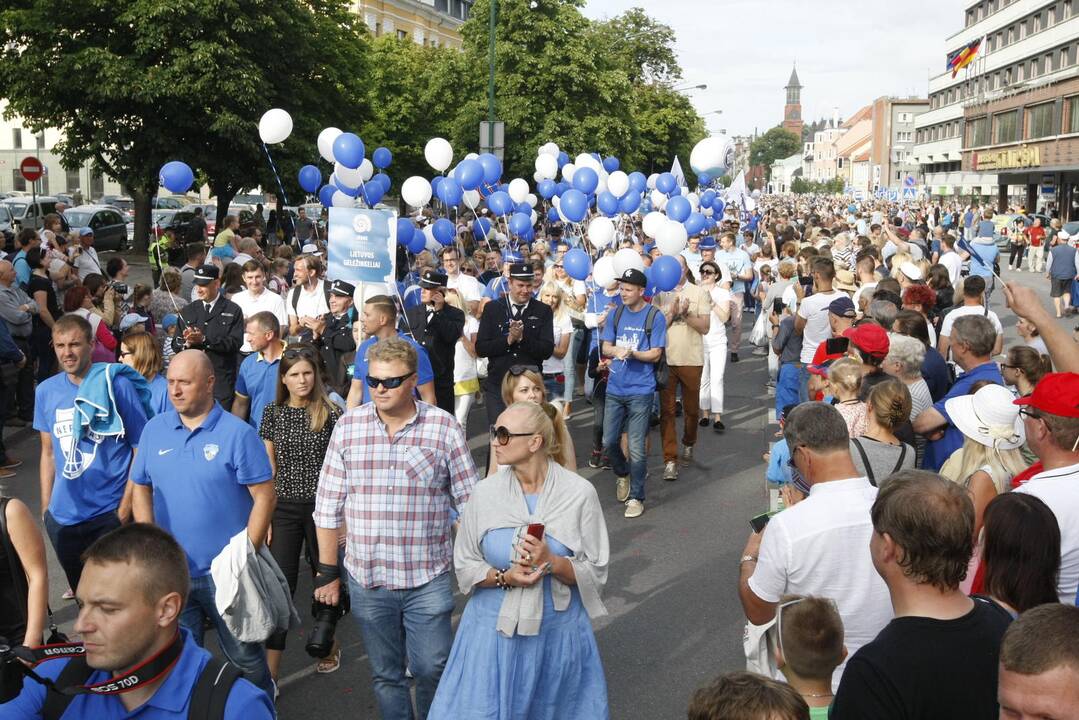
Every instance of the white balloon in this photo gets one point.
(651, 183)
(537, 176)
(518, 190)
(438, 153)
(433, 244)
(325, 143)
(601, 186)
(472, 156)
(618, 183)
(532, 200)
(659, 199)
(586, 160)
(534, 217)
(714, 155)
(567, 172)
(603, 271)
(416, 191)
(600, 232)
(547, 166)
(550, 149)
(750, 204)
(652, 222)
(366, 170)
(350, 177)
(694, 201)
(672, 238)
(340, 199)
(626, 259)
(472, 198)
(275, 126)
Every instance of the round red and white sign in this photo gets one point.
(31, 169)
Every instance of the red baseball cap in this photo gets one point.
(869, 338)
(1056, 394)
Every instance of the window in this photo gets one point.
(402, 35)
(1019, 69)
(1040, 120)
(1036, 23)
(1034, 68)
(1007, 77)
(979, 132)
(16, 138)
(1004, 125)
(1073, 114)
(18, 182)
(1048, 67)
(1063, 58)
(71, 180)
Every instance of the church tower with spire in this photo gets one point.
(792, 110)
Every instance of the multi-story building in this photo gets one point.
(784, 171)
(892, 155)
(853, 148)
(425, 22)
(792, 109)
(825, 166)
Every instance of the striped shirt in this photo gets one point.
(394, 494)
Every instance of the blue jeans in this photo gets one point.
(250, 657)
(631, 413)
(71, 541)
(571, 366)
(788, 387)
(405, 628)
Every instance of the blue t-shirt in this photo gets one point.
(169, 702)
(159, 394)
(988, 253)
(937, 451)
(779, 471)
(632, 376)
(596, 302)
(257, 380)
(496, 288)
(968, 219)
(424, 373)
(22, 268)
(91, 477)
(737, 261)
(207, 502)
(936, 374)
(986, 228)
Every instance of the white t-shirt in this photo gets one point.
(1059, 489)
(464, 365)
(718, 330)
(815, 311)
(953, 263)
(562, 326)
(309, 304)
(468, 286)
(267, 301)
(953, 315)
(87, 263)
(821, 547)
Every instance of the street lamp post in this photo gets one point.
(687, 88)
(491, 78)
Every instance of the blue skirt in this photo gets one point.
(556, 675)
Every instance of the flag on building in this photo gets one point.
(676, 170)
(963, 56)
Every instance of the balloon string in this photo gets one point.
(277, 177)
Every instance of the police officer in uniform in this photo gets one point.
(216, 326)
(437, 327)
(334, 337)
(515, 330)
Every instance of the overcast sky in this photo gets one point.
(848, 52)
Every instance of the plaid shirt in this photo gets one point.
(394, 494)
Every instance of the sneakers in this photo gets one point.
(687, 455)
(704, 422)
(621, 489)
(670, 471)
(596, 459)
(634, 508)
(718, 426)
(10, 464)
(734, 357)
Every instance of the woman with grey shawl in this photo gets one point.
(532, 549)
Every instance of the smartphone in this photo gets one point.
(836, 345)
(778, 306)
(759, 522)
(536, 530)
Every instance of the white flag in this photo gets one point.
(676, 170)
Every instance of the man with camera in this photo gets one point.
(131, 596)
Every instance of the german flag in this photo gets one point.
(963, 56)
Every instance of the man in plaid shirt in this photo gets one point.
(393, 468)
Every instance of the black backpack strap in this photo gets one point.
(902, 457)
(865, 461)
(211, 692)
(649, 319)
(76, 672)
(617, 318)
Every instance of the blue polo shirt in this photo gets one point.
(21, 267)
(246, 702)
(257, 380)
(631, 376)
(497, 288)
(737, 261)
(424, 373)
(200, 479)
(937, 451)
(159, 394)
(90, 478)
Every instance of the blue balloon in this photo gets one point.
(546, 188)
(650, 289)
(450, 192)
(563, 159)
(709, 223)
(694, 223)
(177, 177)
(574, 205)
(310, 178)
(469, 173)
(630, 202)
(372, 193)
(563, 186)
(607, 203)
(481, 228)
(666, 183)
(553, 216)
(381, 158)
(611, 164)
(718, 205)
(418, 243)
(523, 208)
(577, 264)
(444, 231)
(350, 191)
(520, 223)
(585, 179)
(325, 195)
(678, 208)
(405, 231)
(704, 179)
(707, 198)
(666, 272)
(384, 180)
(637, 181)
(500, 203)
(492, 168)
(348, 150)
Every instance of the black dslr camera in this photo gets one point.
(320, 639)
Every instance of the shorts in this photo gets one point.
(1059, 286)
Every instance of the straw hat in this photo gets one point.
(988, 417)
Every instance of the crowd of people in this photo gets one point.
(925, 550)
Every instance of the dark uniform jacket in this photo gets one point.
(224, 331)
(535, 346)
(335, 343)
(438, 337)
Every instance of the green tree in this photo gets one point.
(773, 145)
(640, 45)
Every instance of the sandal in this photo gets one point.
(329, 664)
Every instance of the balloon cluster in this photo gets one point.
(353, 174)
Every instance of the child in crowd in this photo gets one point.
(808, 640)
(169, 325)
(140, 305)
(845, 379)
(278, 281)
(787, 346)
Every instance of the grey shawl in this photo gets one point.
(570, 511)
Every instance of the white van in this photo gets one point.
(28, 213)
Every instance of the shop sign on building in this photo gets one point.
(1020, 157)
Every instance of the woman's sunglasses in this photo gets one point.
(502, 435)
(391, 383)
(293, 353)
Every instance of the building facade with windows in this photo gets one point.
(425, 22)
(894, 131)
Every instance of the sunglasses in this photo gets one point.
(519, 370)
(293, 353)
(391, 383)
(502, 435)
(708, 272)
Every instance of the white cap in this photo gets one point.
(309, 249)
(912, 271)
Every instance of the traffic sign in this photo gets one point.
(908, 181)
(909, 193)
(31, 168)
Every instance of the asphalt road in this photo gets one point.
(674, 618)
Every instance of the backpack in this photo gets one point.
(208, 699)
(869, 468)
(660, 369)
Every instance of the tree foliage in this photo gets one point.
(776, 144)
(801, 186)
(640, 45)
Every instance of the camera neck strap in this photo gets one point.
(143, 674)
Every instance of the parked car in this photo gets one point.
(209, 212)
(25, 213)
(170, 202)
(123, 202)
(7, 227)
(108, 224)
